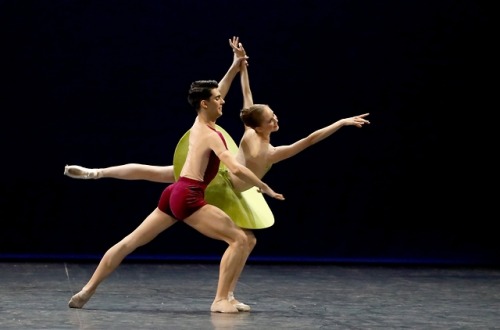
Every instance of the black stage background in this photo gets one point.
(100, 83)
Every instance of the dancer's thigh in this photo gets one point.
(214, 223)
(163, 174)
(156, 222)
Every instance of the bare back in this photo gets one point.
(254, 153)
(203, 140)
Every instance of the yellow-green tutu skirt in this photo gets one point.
(248, 209)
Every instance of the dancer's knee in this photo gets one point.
(251, 241)
(124, 247)
(240, 240)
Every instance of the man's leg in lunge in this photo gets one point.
(214, 223)
(154, 224)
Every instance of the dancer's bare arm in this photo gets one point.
(246, 175)
(280, 153)
(245, 86)
(238, 57)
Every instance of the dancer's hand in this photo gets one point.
(357, 121)
(268, 191)
(238, 50)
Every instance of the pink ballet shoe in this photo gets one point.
(223, 306)
(79, 299)
(241, 307)
(80, 172)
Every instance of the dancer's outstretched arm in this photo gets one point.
(245, 174)
(286, 151)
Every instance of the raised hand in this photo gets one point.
(237, 47)
(238, 50)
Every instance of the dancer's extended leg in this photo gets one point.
(131, 171)
(154, 224)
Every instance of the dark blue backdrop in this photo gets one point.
(101, 83)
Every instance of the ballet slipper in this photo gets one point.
(80, 172)
(223, 306)
(79, 299)
(241, 307)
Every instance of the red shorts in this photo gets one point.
(183, 198)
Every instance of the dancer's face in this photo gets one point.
(269, 122)
(214, 104)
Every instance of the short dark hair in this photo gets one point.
(200, 90)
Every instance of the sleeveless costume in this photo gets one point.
(247, 209)
(186, 196)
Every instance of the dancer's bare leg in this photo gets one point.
(131, 171)
(214, 223)
(251, 242)
(155, 223)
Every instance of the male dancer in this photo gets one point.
(184, 200)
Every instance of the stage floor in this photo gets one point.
(34, 295)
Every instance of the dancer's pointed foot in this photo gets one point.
(239, 305)
(80, 172)
(223, 306)
(79, 299)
